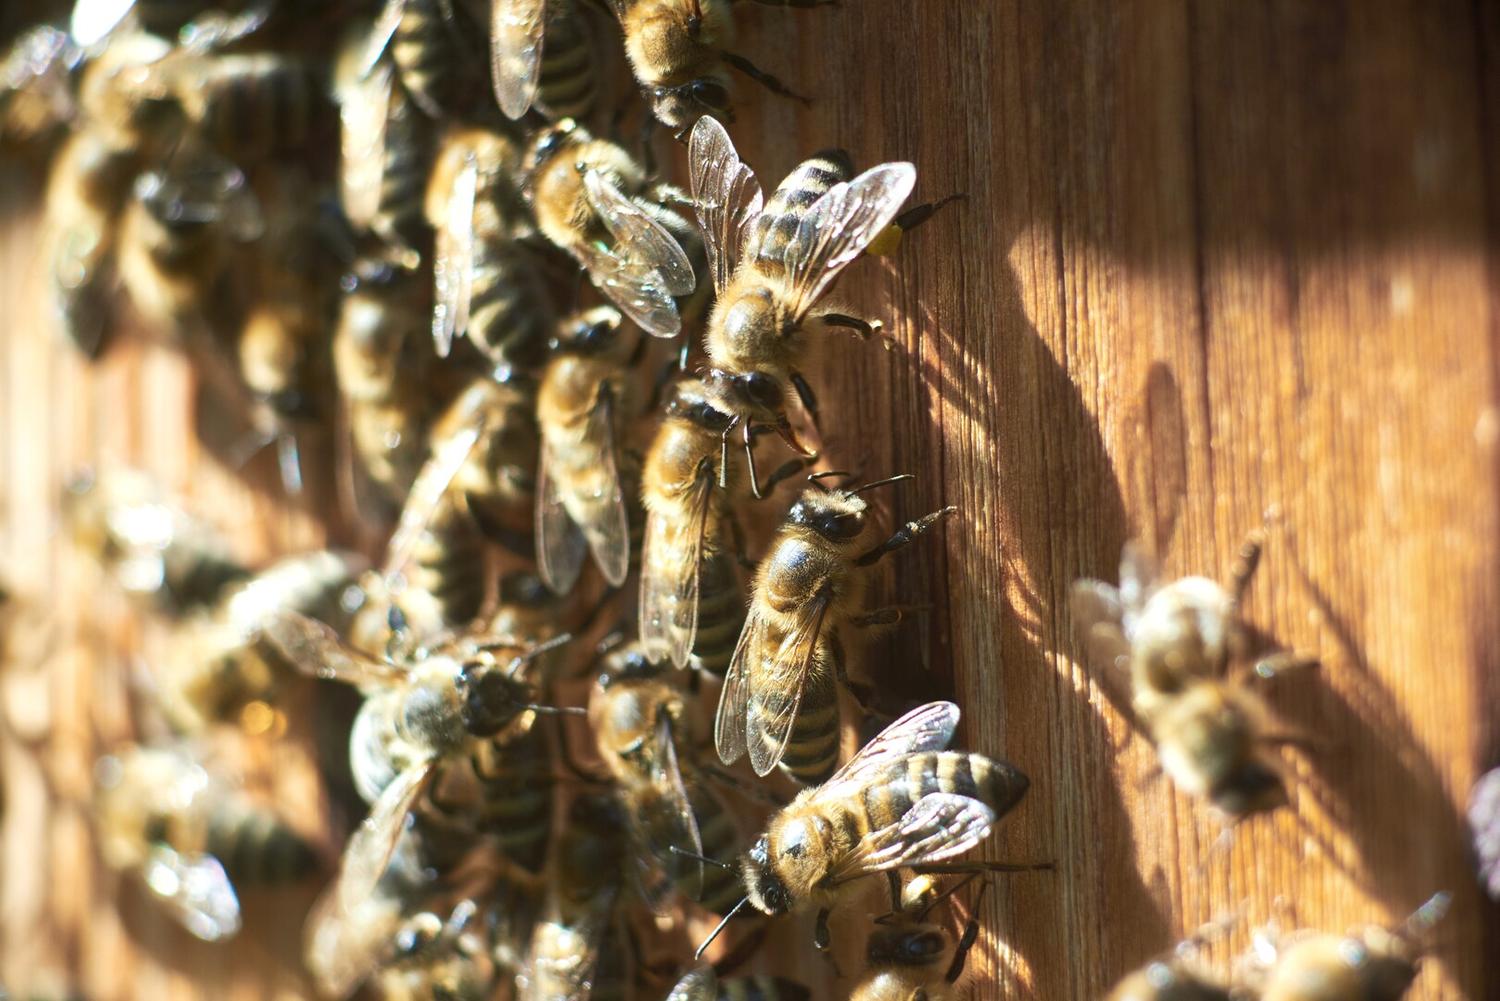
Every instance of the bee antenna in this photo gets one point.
(815, 477)
(701, 858)
(900, 477)
(698, 956)
(538, 650)
(556, 710)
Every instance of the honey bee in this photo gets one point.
(152, 548)
(902, 802)
(1368, 964)
(219, 668)
(641, 725)
(438, 54)
(191, 837)
(908, 956)
(583, 402)
(780, 697)
(575, 952)
(703, 984)
(379, 358)
(771, 263)
(1178, 641)
(487, 286)
(249, 108)
(594, 201)
(560, 80)
(463, 704)
(1172, 978)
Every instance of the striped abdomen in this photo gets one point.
(510, 313)
(783, 213)
(762, 988)
(407, 160)
(450, 563)
(898, 787)
(812, 750)
(569, 82)
(255, 105)
(255, 847)
(721, 612)
(438, 66)
(516, 806)
(722, 888)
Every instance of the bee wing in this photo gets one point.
(635, 286)
(368, 853)
(768, 731)
(430, 486)
(726, 196)
(700, 983)
(363, 115)
(671, 559)
(734, 698)
(638, 236)
(315, 649)
(342, 949)
(516, 31)
(560, 546)
(1097, 611)
(674, 823)
(926, 728)
(196, 889)
(609, 534)
(937, 827)
(453, 261)
(381, 33)
(838, 227)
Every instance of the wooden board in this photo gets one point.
(1214, 258)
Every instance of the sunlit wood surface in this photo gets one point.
(1215, 258)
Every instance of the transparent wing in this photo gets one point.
(430, 486)
(363, 114)
(700, 984)
(371, 846)
(453, 261)
(560, 546)
(926, 728)
(381, 33)
(780, 685)
(671, 821)
(92, 20)
(838, 227)
(343, 948)
(638, 237)
(196, 890)
(1097, 611)
(635, 286)
(671, 560)
(608, 533)
(516, 30)
(938, 827)
(726, 196)
(314, 648)
(734, 697)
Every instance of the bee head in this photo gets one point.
(680, 107)
(922, 945)
(592, 332)
(765, 889)
(492, 699)
(690, 402)
(756, 395)
(629, 663)
(837, 515)
(524, 589)
(551, 141)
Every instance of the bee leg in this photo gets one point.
(1274, 665)
(905, 535)
(763, 78)
(864, 328)
(966, 942)
(1245, 564)
(878, 618)
(918, 214)
(809, 399)
(893, 883)
(798, 3)
(822, 937)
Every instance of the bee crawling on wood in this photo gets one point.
(907, 956)
(1177, 641)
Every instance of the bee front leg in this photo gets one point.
(905, 535)
(822, 937)
(880, 618)
(1273, 666)
(809, 399)
(763, 78)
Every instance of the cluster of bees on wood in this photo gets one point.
(390, 219)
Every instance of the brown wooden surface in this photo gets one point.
(1216, 256)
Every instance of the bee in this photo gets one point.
(703, 984)
(583, 401)
(191, 837)
(594, 201)
(386, 148)
(1171, 978)
(780, 696)
(433, 958)
(220, 669)
(640, 722)
(461, 704)
(575, 951)
(248, 108)
(487, 285)
(379, 358)
(771, 263)
(1368, 964)
(561, 79)
(1178, 641)
(152, 548)
(902, 802)
(908, 956)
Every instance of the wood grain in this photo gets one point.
(1214, 258)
